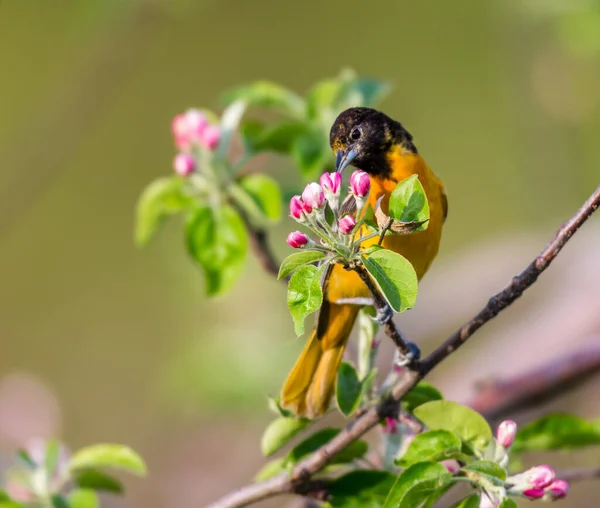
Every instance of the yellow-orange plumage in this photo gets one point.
(310, 385)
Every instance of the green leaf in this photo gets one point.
(354, 450)
(466, 423)
(51, 456)
(322, 98)
(305, 295)
(423, 392)
(372, 91)
(486, 473)
(59, 501)
(10, 504)
(433, 445)
(25, 458)
(469, 502)
(265, 194)
(311, 154)
(508, 503)
(268, 95)
(395, 277)
(420, 483)
(83, 498)
(408, 202)
(96, 480)
(3, 496)
(217, 239)
(279, 432)
(360, 489)
(114, 456)
(270, 469)
(348, 389)
(258, 137)
(275, 406)
(298, 259)
(159, 200)
(557, 432)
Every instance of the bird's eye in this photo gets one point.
(355, 134)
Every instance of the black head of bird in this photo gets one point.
(362, 137)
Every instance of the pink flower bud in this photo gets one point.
(390, 426)
(305, 208)
(360, 183)
(184, 164)
(296, 207)
(297, 240)
(331, 182)
(347, 224)
(197, 122)
(181, 132)
(313, 195)
(210, 137)
(451, 465)
(534, 493)
(540, 477)
(506, 433)
(557, 489)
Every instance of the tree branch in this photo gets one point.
(383, 309)
(502, 397)
(578, 475)
(363, 422)
(516, 287)
(260, 246)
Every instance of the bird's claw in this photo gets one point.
(413, 354)
(384, 314)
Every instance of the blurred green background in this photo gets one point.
(100, 341)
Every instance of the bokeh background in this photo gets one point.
(100, 341)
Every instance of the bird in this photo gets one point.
(369, 140)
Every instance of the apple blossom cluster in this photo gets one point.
(309, 209)
(192, 131)
(539, 482)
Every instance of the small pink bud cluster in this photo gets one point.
(191, 129)
(506, 433)
(537, 483)
(309, 209)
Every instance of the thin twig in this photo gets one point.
(500, 398)
(383, 308)
(365, 421)
(385, 230)
(260, 246)
(516, 287)
(578, 475)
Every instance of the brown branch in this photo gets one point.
(578, 475)
(502, 397)
(516, 287)
(364, 421)
(383, 308)
(260, 246)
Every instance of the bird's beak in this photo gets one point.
(343, 158)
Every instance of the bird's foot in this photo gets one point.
(384, 314)
(413, 355)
